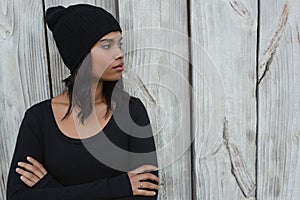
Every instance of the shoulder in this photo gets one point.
(135, 100)
(138, 111)
(136, 104)
(34, 115)
(39, 106)
(38, 109)
(136, 107)
(124, 99)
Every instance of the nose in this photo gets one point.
(119, 53)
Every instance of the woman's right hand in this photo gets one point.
(140, 180)
(31, 172)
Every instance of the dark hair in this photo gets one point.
(81, 79)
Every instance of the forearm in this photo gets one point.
(109, 188)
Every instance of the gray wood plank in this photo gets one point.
(23, 71)
(224, 103)
(157, 64)
(279, 97)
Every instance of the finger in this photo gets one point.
(145, 193)
(144, 168)
(29, 176)
(31, 168)
(148, 176)
(149, 185)
(26, 181)
(37, 164)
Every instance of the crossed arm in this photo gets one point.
(33, 171)
(29, 179)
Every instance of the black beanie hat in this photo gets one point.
(77, 28)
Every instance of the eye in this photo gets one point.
(120, 45)
(106, 46)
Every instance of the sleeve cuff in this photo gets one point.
(47, 182)
(120, 186)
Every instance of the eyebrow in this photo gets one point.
(109, 39)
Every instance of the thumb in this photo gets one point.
(144, 168)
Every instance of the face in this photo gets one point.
(107, 57)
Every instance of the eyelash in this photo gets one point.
(107, 46)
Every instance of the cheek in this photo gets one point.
(100, 62)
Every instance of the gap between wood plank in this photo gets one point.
(47, 50)
(257, 93)
(190, 77)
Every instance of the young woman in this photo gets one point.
(93, 141)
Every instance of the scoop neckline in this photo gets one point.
(71, 139)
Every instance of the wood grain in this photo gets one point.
(23, 74)
(200, 89)
(224, 108)
(156, 51)
(279, 97)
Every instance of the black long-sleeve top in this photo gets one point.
(84, 169)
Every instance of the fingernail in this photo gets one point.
(28, 158)
(19, 163)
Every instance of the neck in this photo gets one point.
(97, 92)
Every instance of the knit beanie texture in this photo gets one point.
(77, 28)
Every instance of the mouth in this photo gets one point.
(119, 67)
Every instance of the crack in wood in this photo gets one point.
(298, 34)
(146, 91)
(213, 153)
(238, 166)
(240, 9)
(272, 47)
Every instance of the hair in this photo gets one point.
(80, 79)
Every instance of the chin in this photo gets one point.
(111, 78)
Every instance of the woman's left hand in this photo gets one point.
(31, 172)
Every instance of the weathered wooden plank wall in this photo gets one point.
(23, 70)
(240, 72)
(158, 73)
(224, 81)
(279, 101)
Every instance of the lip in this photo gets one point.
(119, 67)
